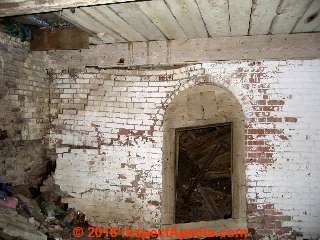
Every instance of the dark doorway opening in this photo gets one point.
(203, 173)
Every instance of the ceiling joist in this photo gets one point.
(279, 47)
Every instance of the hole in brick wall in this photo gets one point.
(203, 173)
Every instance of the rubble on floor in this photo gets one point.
(36, 213)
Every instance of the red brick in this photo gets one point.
(256, 131)
(291, 119)
(275, 102)
(274, 119)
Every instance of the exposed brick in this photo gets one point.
(107, 125)
(24, 110)
(291, 119)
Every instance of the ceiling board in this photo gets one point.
(132, 14)
(263, 12)
(289, 12)
(155, 20)
(161, 16)
(111, 20)
(215, 14)
(239, 16)
(187, 14)
(87, 22)
(310, 20)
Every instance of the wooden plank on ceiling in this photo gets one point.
(12, 7)
(215, 14)
(263, 12)
(240, 16)
(188, 16)
(160, 15)
(132, 14)
(310, 20)
(288, 13)
(93, 38)
(111, 20)
(62, 39)
(86, 21)
(280, 47)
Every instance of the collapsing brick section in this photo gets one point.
(24, 110)
(108, 135)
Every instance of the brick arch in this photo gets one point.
(201, 103)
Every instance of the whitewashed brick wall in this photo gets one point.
(107, 131)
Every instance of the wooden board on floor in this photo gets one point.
(65, 39)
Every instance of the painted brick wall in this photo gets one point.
(108, 136)
(23, 113)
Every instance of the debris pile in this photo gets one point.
(28, 213)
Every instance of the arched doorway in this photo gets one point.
(206, 107)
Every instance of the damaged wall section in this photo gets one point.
(24, 92)
(108, 135)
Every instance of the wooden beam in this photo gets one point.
(279, 47)
(13, 7)
(62, 39)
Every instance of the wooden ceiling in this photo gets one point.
(187, 19)
(179, 19)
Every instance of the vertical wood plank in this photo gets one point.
(59, 39)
